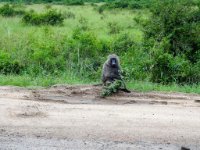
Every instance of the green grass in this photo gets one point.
(20, 40)
(145, 86)
(41, 80)
(96, 22)
(48, 80)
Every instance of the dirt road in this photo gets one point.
(74, 117)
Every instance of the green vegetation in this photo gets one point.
(173, 35)
(130, 4)
(145, 86)
(157, 42)
(10, 11)
(51, 17)
(68, 2)
(27, 80)
(111, 88)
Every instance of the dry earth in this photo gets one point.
(75, 117)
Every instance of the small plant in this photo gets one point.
(51, 17)
(111, 88)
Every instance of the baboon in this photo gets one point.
(112, 71)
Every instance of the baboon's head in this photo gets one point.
(113, 60)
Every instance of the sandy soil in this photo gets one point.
(75, 117)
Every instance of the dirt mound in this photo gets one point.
(90, 94)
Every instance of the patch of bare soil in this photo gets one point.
(75, 117)
(88, 94)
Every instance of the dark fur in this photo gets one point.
(112, 71)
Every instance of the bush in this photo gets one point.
(123, 43)
(8, 65)
(173, 37)
(9, 11)
(168, 68)
(74, 2)
(127, 4)
(51, 17)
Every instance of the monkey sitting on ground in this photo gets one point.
(112, 71)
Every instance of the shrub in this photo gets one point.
(122, 44)
(168, 68)
(83, 53)
(127, 4)
(47, 55)
(141, 20)
(51, 17)
(173, 37)
(135, 5)
(74, 2)
(9, 11)
(8, 65)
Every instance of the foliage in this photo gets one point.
(111, 88)
(10, 11)
(84, 48)
(74, 2)
(75, 48)
(122, 43)
(67, 2)
(55, 1)
(127, 4)
(8, 65)
(173, 36)
(78, 48)
(51, 17)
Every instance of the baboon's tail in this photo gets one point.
(98, 84)
(125, 90)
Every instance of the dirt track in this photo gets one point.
(74, 117)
